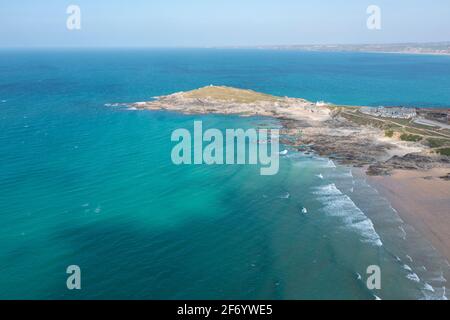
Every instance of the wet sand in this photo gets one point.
(422, 200)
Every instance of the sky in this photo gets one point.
(204, 23)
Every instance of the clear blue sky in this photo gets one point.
(220, 22)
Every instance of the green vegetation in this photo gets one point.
(436, 143)
(410, 137)
(403, 125)
(389, 133)
(403, 122)
(230, 94)
(363, 120)
(444, 151)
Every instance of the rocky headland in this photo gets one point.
(341, 133)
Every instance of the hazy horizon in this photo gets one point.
(268, 46)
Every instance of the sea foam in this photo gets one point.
(340, 205)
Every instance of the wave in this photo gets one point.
(403, 232)
(413, 277)
(428, 287)
(287, 195)
(407, 268)
(115, 105)
(340, 205)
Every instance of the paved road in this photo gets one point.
(433, 135)
(431, 123)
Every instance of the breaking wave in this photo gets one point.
(340, 205)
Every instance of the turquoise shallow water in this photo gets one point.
(86, 184)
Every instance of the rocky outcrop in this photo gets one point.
(310, 127)
(409, 161)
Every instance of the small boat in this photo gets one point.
(283, 153)
(304, 210)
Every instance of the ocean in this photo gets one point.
(86, 182)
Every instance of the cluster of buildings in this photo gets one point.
(390, 112)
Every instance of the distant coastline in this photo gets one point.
(432, 48)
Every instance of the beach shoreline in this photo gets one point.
(422, 200)
(405, 171)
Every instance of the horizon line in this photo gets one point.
(447, 42)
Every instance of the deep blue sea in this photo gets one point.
(89, 184)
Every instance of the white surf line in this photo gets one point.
(339, 204)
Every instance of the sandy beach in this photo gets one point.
(422, 199)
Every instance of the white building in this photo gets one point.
(390, 112)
